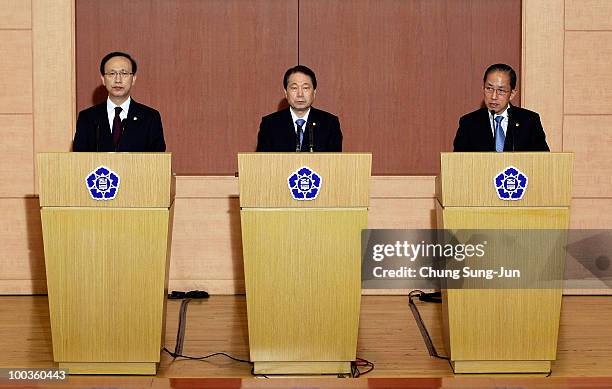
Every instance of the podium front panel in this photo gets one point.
(106, 280)
(503, 324)
(303, 286)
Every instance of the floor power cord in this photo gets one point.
(428, 297)
(180, 339)
(180, 333)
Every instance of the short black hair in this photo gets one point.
(108, 56)
(300, 69)
(501, 67)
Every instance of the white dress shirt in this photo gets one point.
(110, 110)
(504, 122)
(295, 117)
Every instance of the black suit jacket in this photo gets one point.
(142, 130)
(277, 132)
(525, 132)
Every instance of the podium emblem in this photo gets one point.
(304, 184)
(102, 183)
(510, 184)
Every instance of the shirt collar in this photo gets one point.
(503, 114)
(294, 117)
(125, 106)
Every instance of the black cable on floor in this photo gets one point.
(419, 321)
(180, 338)
(174, 355)
(355, 372)
(180, 333)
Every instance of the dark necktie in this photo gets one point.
(300, 131)
(117, 126)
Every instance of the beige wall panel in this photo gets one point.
(206, 186)
(402, 186)
(542, 65)
(590, 137)
(21, 252)
(16, 157)
(588, 72)
(29, 286)
(591, 214)
(16, 74)
(220, 287)
(588, 14)
(402, 213)
(54, 74)
(206, 241)
(15, 14)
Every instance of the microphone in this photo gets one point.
(492, 112)
(297, 139)
(511, 129)
(123, 126)
(311, 136)
(97, 136)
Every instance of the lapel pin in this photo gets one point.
(135, 118)
(314, 124)
(516, 124)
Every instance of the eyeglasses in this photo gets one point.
(120, 74)
(500, 92)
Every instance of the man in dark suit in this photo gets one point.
(500, 126)
(120, 123)
(300, 127)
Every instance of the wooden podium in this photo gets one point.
(503, 330)
(302, 260)
(106, 260)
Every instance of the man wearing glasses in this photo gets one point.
(120, 123)
(500, 126)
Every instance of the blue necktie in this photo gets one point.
(300, 131)
(500, 138)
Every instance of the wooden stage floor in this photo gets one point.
(388, 337)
